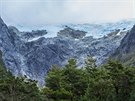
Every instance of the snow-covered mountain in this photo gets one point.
(97, 30)
(33, 53)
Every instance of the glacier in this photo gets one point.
(97, 30)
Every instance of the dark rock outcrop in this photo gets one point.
(71, 33)
(30, 35)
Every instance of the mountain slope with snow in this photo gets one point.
(33, 53)
(96, 30)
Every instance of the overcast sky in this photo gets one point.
(42, 12)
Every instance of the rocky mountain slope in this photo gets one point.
(32, 54)
(126, 51)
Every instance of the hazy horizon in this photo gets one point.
(43, 12)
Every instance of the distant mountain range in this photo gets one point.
(33, 53)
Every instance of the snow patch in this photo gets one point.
(34, 39)
(118, 33)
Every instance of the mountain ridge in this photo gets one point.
(97, 30)
(34, 58)
(126, 51)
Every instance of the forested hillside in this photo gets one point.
(111, 82)
(17, 88)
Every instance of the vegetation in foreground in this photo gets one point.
(111, 82)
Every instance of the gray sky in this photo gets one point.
(41, 12)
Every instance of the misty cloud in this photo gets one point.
(41, 12)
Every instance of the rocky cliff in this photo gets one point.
(126, 51)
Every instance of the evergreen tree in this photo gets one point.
(122, 80)
(99, 86)
(74, 80)
(17, 88)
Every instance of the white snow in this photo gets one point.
(119, 33)
(52, 30)
(76, 39)
(34, 39)
(101, 29)
(97, 30)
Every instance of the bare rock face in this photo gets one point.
(24, 56)
(35, 58)
(71, 33)
(126, 51)
(128, 42)
(7, 47)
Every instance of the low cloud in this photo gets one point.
(42, 12)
